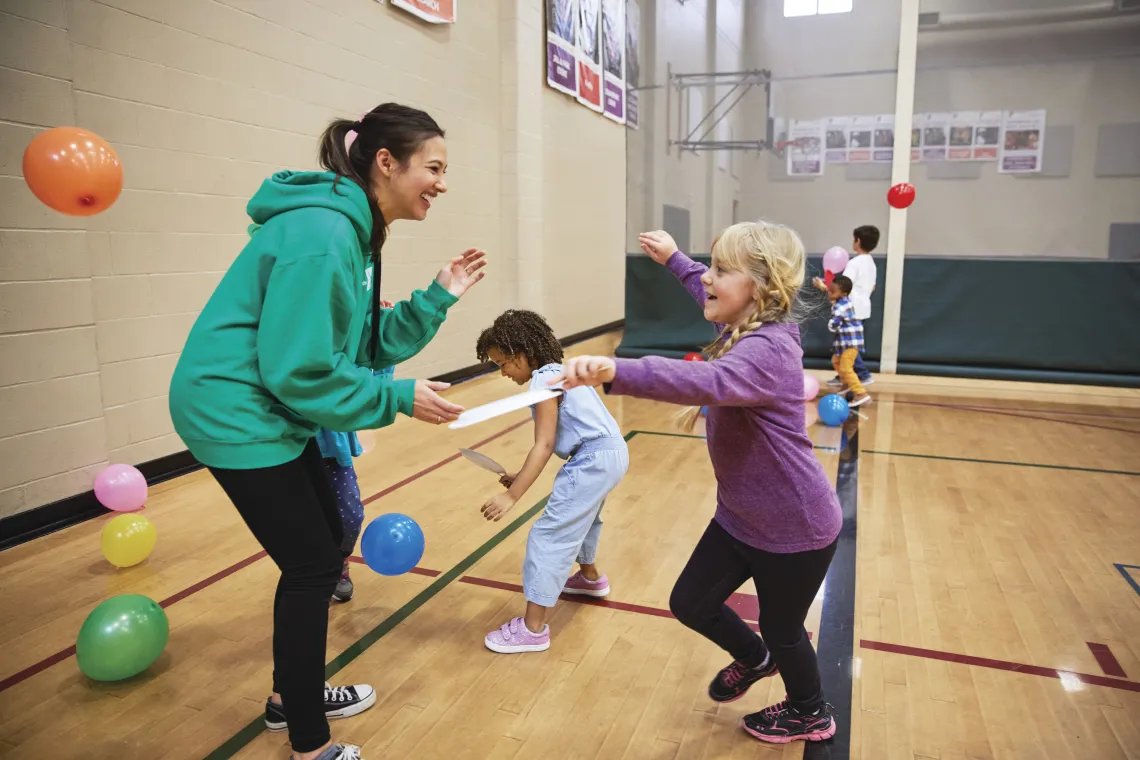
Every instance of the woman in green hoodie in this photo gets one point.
(286, 345)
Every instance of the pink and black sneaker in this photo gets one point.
(514, 637)
(782, 724)
(582, 586)
(732, 682)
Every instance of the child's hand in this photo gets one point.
(818, 284)
(386, 304)
(586, 370)
(509, 479)
(497, 506)
(659, 244)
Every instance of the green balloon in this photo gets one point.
(121, 638)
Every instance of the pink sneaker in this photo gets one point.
(579, 584)
(515, 637)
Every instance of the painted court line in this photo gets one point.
(1126, 571)
(64, 654)
(1001, 462)
(1011, 667)
(1107, 661)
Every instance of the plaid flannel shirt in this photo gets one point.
(848, 330)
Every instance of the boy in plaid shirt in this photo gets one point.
(848, 337)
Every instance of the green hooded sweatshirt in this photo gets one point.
(281, 349)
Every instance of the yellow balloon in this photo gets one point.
(128, 540)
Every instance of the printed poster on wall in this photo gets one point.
(935, 136)
(962, 124)
(435, 11)
(835, 138)
(632, 60)
(1022, 142)
(613, 59)
(561, 45)
(884, 151)
(590, 54)
(987, 136)
(805, 154)
(860, 132)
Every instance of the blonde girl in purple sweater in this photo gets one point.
(777, 517)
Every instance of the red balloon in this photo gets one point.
(694, 357)
(828, 276)
(73, 171)
(901, 195)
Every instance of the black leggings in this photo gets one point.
(786, 585)
(291, 510)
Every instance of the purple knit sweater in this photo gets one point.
(772, 493)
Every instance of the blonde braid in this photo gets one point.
(774, 256)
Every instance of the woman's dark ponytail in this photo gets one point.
(399, 129)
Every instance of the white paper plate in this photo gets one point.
(484, 461)
(502, 406)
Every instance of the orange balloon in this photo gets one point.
(73, 171)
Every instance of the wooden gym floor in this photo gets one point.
(984, 602)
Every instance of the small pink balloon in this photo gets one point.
(811, 386)
(121, 488)
(835, 259)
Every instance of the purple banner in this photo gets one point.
(561, 68)
(613, 95)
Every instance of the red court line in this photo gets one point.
(985, 662)
(441, 463)
(62, 655)
(640, 609)
(1107, 661)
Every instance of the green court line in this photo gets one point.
(998, 461)
(235, 743)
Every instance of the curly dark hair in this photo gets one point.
(517, 332)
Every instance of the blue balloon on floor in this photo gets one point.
(833, 410)
(392, 544)
(704, 411)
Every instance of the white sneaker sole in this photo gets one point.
(596, 593)
(516, 649)
(354, 709)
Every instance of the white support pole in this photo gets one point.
(900, 172)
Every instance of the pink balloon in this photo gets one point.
(835, 259)
(121, 488)
(811, 386)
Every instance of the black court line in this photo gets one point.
(836, 646)
(1001, 462)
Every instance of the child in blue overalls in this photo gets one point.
(576, 427)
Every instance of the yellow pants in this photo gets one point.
(845, 367)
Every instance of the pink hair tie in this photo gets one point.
(350, 137)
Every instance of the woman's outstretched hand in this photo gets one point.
(586, 370)
(430, 407)
(659, 244)
(459, 274)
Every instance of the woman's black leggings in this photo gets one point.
(786, 585)
(291, 510)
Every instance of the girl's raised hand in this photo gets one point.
(659, 244)
(459, 274)
(586, 370)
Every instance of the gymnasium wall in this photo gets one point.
(203, 99)
(1085, 74)
(691, 37)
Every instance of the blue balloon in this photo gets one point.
(704, 411)
(392, 544)
(833, 410)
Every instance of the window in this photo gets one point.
(813, 7)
